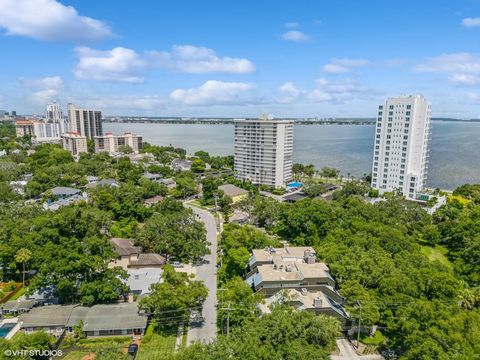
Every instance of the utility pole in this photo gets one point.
(228, 309)
(359, 324)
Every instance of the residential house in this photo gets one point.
(140, 280)
(131, 256)
(181, 165)
(97, 320)
(234, 192)
(153, 200)
(64, 196)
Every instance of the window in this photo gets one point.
(390, 107)
(390, 113)
(409, 107)
(407, 113)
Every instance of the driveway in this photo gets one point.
(347, 352)
(207, 272)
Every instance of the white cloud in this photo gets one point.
(295, 35)
(199, 60)
(49, 20)
(292, 25)
(340, 66)
(289, 92)
(45, 89)
(119, 65)
(471, 22)
(212, 93)
(324, 91)
(461, 68)
(113, 104)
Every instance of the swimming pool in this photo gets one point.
(5, 329)
(295, 184)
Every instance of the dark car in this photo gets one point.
(132, 349)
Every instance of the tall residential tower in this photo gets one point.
(85, 122)
(263, 150)
(402, 134)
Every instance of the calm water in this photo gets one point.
(455, 153)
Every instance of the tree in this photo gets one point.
(329, 172)
(313, 188)
(198, 165)
(176, 296)
(297, 170)
(283, 334)
(23, 256)
(309, 170)
(174, 234)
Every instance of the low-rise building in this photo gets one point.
(63, 196)
(113, 143)
(97, 320)
(293, 275)
(153, 200)
(314, 301)
(131, 256)
(181, 165)
(234, 192)
(273, 269)
(75, 143)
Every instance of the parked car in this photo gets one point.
(132, 350)
(177, 264)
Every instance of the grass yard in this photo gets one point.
(76, 355)
(437, 253)
(156, 346)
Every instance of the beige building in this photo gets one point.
(85, 121)
(234, 192)
(293, 275)
(111, 143)
(24, 128)
(75, 143)
(264, 151)
(131, 256)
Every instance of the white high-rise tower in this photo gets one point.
(53, 113)
(263, 150)
(400, 155)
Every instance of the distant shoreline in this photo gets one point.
(229, 121)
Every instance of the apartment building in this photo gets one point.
(401, 149)
(264, 150)
(86, 122)
(111, 143)
(75, 143)
(293, 275)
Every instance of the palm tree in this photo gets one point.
(22, 256)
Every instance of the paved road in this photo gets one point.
(208, 274)
(348, 353)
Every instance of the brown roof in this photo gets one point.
(153, 200)
(148, 260)
(232, 190)
(125, 247)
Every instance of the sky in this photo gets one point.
(303, 58)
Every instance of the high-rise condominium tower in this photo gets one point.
(263, 150)
(85, 122)
(400, 155)
(53, 113)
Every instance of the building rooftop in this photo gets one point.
(64, 191)
(232, 190)
(140, 280)
(296, 253)
(125, 247)
(303, 300)
(292, 271)
(146, 260)
(153, 200)
(97, 317)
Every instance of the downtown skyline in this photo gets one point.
(214, 59)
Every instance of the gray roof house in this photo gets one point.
(98, 320)
(64, 196)
(131, 256)
(181, 164)
(140, 280)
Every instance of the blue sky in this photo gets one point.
(240, 58)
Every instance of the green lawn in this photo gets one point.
(157, 347)
(437, 253)
(19, 293)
